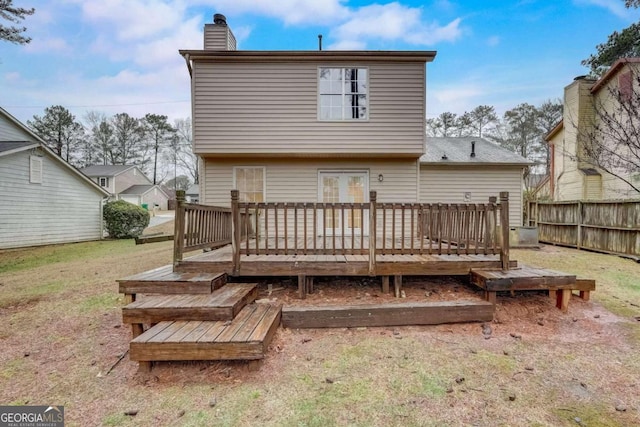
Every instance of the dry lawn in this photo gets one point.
(61, 332)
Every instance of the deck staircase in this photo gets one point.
(224, 324)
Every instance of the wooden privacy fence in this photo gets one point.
(604, 226)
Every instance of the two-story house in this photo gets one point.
(592, 138)
(323, 126)
(129, 183)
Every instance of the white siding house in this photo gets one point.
(43, 199)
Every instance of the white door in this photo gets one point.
(344, 187)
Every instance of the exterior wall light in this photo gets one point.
(380, 177)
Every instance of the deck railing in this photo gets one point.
(364, 229)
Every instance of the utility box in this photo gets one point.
(523, 237)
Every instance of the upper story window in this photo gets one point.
(343, 94)
(103, 181)
(625, 83)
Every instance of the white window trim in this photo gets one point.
(35, 169)
(318, 95)
(264, 178)
(105, 178)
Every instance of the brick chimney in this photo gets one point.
(218, 36)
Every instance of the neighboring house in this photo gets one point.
(193, 194)
(573, 175)
(319, 126)
(43, 199)
(151, 196)
(128, 182)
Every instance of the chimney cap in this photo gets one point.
(219, 19)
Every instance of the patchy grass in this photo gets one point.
(617, 284)
(61, 331)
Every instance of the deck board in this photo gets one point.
(522, 279)
(223, 304)
(164, 280)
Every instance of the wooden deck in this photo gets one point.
(246, 337)
(223, 304)
(221, 260)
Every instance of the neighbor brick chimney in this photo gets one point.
(218, 36)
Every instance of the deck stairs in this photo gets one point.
(224, 324)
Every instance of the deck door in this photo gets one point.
(344, 187)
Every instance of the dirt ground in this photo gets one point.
(63, 343)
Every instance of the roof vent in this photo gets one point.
(473, 148)
(319, 41)
(444, 157)
(219, 19)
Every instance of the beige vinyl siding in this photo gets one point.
(10, 132)
(271, 108)
(448, 185)
(217, 37)
(61, 209)
(592, 187)
(296, 180)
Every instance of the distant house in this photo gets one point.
(574, 176)
(470, 170)
(129, 183)
(193, 193)
(43, 199)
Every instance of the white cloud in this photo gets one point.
(493, 41)
(616, 7)
(347, 45)
(48, 45)
(291, 12)
(394, 22)
(134, 19)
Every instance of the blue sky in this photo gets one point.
(121, 55)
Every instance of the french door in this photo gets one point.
(344, 187)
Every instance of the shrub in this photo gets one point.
(124, 220)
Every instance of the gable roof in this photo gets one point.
(106, 170)
(139, 190)
(612, 71)
(457, 151)
(10, 147)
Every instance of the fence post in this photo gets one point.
(235, 231)
(373, 199)
(504, 224)
(579, 225)
(179, 225)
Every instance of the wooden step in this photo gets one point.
(223, 304)
(164, 280)
(245, 337)
(524, 278)
(393, 314)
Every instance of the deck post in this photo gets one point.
(179, 225)
(504, 225)
(235, 231)
(373, 199)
